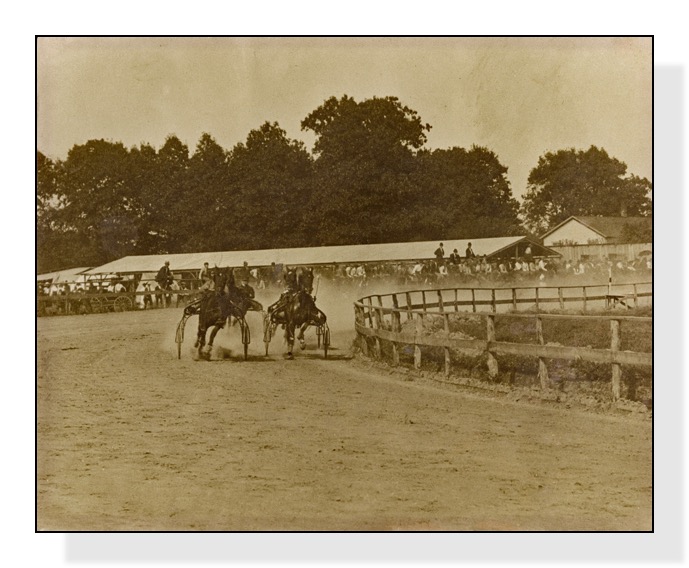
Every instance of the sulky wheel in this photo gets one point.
(122, 304)
(267, 331)
(326, 340)
(246, 337)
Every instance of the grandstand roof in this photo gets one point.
(68, 275)
(346, 254)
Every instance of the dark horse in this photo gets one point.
(298, 309)
(214, 308)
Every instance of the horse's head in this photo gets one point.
(306, 279)
(221, 278)
(230, 282)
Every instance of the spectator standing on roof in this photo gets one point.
(454, 257)
(469, 252)
(440, 255)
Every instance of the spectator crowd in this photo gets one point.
(468, 270)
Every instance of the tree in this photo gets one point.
(52, 237)
(93, 216)
(199, 219)
(463, 194)
(269, 189)
(577, 182)
(166, 198)
(381, 130)
(365, 153)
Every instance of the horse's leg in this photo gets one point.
(216, 328)
(201, 338)
(289, 336)
(300, 336)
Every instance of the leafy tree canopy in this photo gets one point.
(582, 182)
(369, 179)
(378, 129)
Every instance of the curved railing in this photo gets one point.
(380, 317)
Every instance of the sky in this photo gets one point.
(520, 97)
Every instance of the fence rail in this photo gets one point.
(374, 319)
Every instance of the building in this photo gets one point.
(598, 230)
(187, 265)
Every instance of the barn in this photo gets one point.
(595, 230)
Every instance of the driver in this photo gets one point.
(291, 288)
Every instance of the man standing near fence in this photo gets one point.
(164, 279)
(470, 252)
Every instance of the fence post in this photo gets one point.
(616, 369)
(473, 300)
(417, 347)
(378, 313)
(542, 368)
(409, 314)
(456, 300)
(536, 298)
(636, 297)
(370, 310)
(446, 325)
(584, 290)
(560, 297)
(514, 299)
(396, 328)
(490, 337)
(377, 319)
(361, 317)
(492, 300)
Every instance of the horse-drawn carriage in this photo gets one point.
(271, 322)
(110, 302)
(297, 309)
(227, 302)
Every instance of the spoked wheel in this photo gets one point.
(267, 331)
(179, 334)
(122, 304)
(326, 340)
(246, 337)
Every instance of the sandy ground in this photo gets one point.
(131, 438)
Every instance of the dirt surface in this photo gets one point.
(131, 438)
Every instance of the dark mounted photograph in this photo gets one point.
(344, 284)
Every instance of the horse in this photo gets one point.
(297, 310)
(214, 308)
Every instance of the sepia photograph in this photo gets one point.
(344, 284)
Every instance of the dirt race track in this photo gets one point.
(131, 438)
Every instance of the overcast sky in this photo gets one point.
(519, 97)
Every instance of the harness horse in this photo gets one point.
(214, 308)
(296, 309)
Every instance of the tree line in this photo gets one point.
(368, 179)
